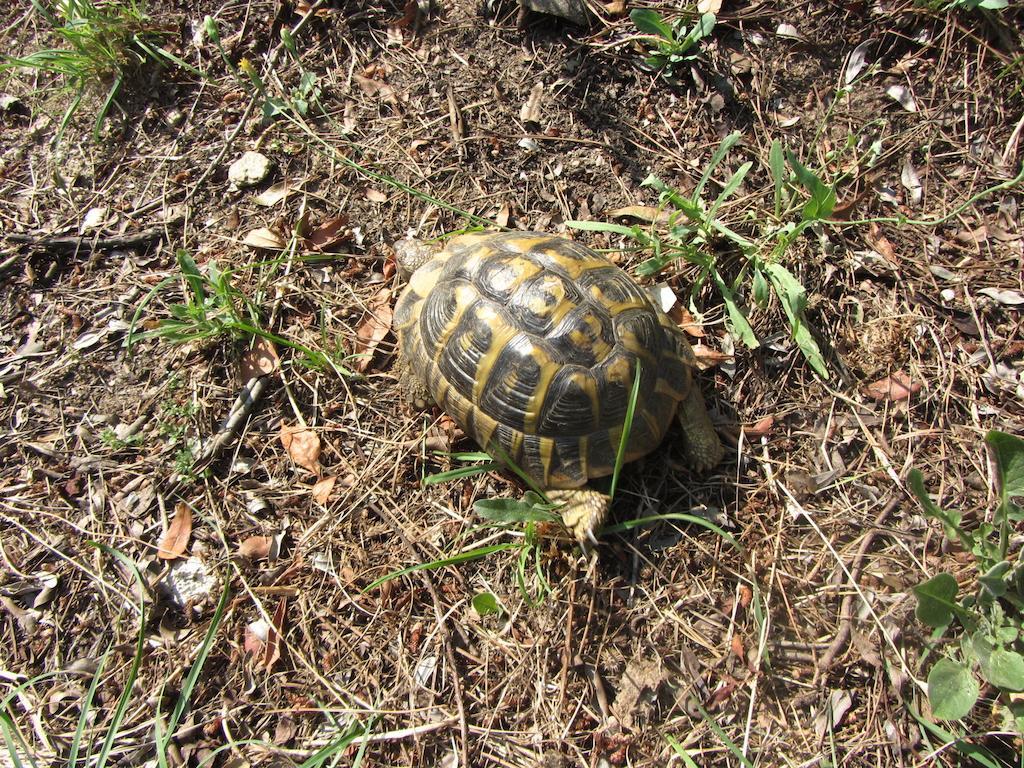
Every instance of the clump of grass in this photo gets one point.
(214, 307)
(104, 45)
(692, 227)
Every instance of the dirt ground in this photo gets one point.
(797, 646)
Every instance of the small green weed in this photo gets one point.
(989, 618)
(973, 5)
(105, 45)
(693, 227)
(214, 308)
(110, 439)
(670, 44)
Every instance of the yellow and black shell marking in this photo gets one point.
(530, 342)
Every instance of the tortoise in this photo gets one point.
(530, 342)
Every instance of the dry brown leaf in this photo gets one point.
(265, 238)
(256, 547)
(329, 232)
(408, 15)
(615, 8)
(895, 386)
(174, 542)
(736, 645)
(303, 446)
(709, 357)
(373, 87)
(273, 195)
(503, 214)
(761, 428)
(272, 648)
(259, 360)
(322, 489)
(373, 329)
(375, 195)
(881, 244)
(530, 111)
(682, 317)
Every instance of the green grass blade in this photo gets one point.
(459, 559)
(729, 188)
(10, 731)
(777, 168)
(460, 473)
(737, 317)
(601, 226)
(680, 750)
(627, 427)
(639, 522)
(197, 668)
(729, 744)
(83, 716)
(133, 672)
(105, 107)
(727, 143)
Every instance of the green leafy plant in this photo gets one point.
(688, 227)
(989, 617)
(213, 308)
(105, 45)
(973, 5)
(670, 44)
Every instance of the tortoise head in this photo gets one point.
(411, 254)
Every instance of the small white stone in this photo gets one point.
(251, 168)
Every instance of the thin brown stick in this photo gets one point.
(846, 607)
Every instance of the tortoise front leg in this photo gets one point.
(703, 448)
(583, 512)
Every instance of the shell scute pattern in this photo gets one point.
(531, 343)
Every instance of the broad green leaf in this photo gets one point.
(760, 288)
(1005, 669)
(1009, 454)
(460, 473)
(935, 606)
(512, 511)
(823, 197)
(794, 300)
(950, 520)
(601, 226)
(994, 580)
(737, 318)
(952, 690)
(651, 23)
(486, 604)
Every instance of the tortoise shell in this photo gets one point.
(531, 343)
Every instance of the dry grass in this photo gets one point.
(813, 607)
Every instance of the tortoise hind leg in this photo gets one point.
(703, 448)
(413, 389)
(583, 511)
